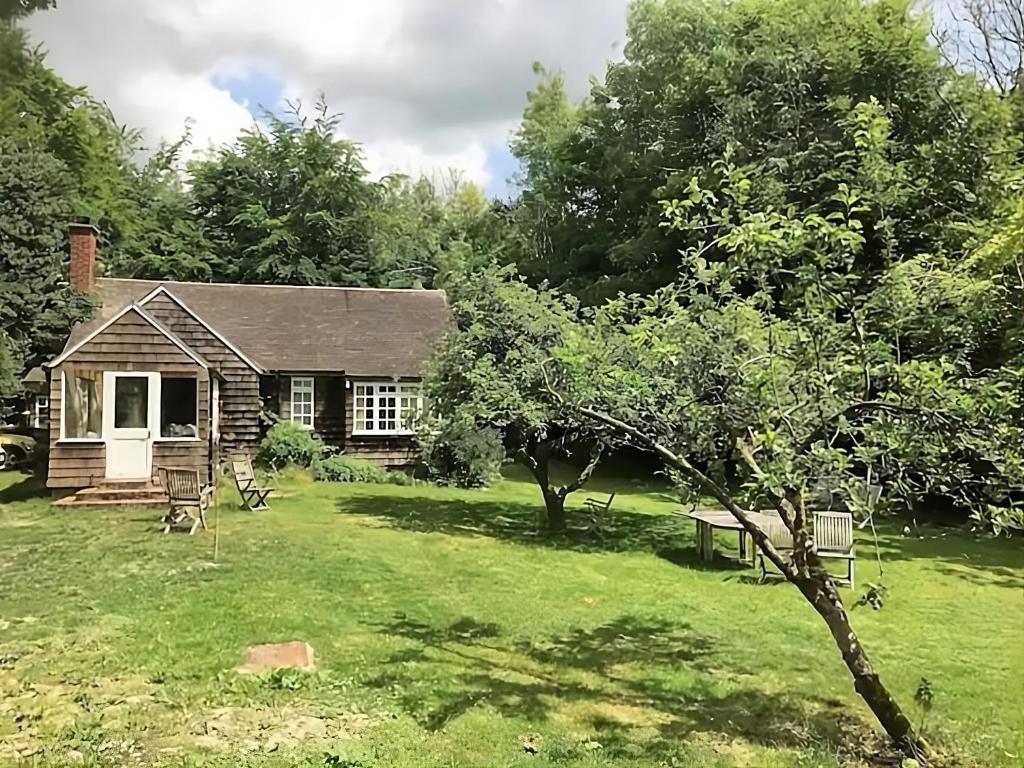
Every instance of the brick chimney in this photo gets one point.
(82, 270)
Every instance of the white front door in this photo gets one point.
(131, 404)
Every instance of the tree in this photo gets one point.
(771, 83)
(289, 204)
(37, 308)
(783, 359)
(424, 231)
(987, 37)
(11, 10)
(489, 370)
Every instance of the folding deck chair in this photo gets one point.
(253, 496)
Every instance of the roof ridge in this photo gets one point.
(276, 285)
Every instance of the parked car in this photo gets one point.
(15, 450)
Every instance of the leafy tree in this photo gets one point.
(423, 232)
(15, 9)
(289, 204)
(489, 371)
(781, 359)
(770, 85)
(37, 308)
(9, 369)
(167, 242)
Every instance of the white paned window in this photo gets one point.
(386, 408)
(41, 412)
(302, 400)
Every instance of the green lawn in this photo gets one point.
(447, 634)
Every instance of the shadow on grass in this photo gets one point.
(639, 683)
(982, 560)
(620, 530)
(29, 487)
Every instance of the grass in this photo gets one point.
(448, 634)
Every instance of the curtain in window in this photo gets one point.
(83, 404)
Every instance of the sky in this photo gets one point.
(423, 85)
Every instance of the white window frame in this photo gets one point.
(41, 412)
(159, 437)
(303, 385)
(63, 417)
(374, 396)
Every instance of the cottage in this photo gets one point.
(188, 374)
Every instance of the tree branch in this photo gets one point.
(595, 457)
(705, 482)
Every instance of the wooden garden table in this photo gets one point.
(709, 519)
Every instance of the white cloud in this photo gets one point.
(423, 85)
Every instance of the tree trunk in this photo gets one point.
(538, 460)
(554, 506)
(807, 574)
(826, 601)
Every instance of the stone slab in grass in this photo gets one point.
(263, 658)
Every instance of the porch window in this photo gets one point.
(386, 408)
(83, 405)
(179, 407)
(41, 412)
(302, 400)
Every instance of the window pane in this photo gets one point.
(179, 411)
(131, 402)
(82, 407)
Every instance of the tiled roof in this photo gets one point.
(362, 331)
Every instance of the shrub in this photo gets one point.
(348, 469)
(459, 453)
(289, 443)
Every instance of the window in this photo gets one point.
(83, 405)
(179, 407)
(386, 409)
(41, 412)
(131, 402)
(302, 401)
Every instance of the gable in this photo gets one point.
(130, 337)
(190, 328)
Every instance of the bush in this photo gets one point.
(461, 454)
(289, 443)
(348, 469)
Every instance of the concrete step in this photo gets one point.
(70, 502)
(117, 494)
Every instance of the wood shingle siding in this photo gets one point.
(240, 423)
(129, 344)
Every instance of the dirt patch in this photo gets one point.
(269, 729)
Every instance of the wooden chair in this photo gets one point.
(780, 537)
(253, 496)
(596, 510)
(188, 498)
(833, 537)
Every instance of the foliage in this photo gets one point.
(781, 88)
(10, 366)
(349, 469)
(289, 443)
(489, 372)
(288, 204)
(458, 452)
(13, 9)
(37, 309)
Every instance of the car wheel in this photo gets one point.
(4, 460)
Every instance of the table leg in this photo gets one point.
(743, 546)
(709, 543)
(700, 539)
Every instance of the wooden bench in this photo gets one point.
(253, 496)
(188, 498)
(833, 538)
